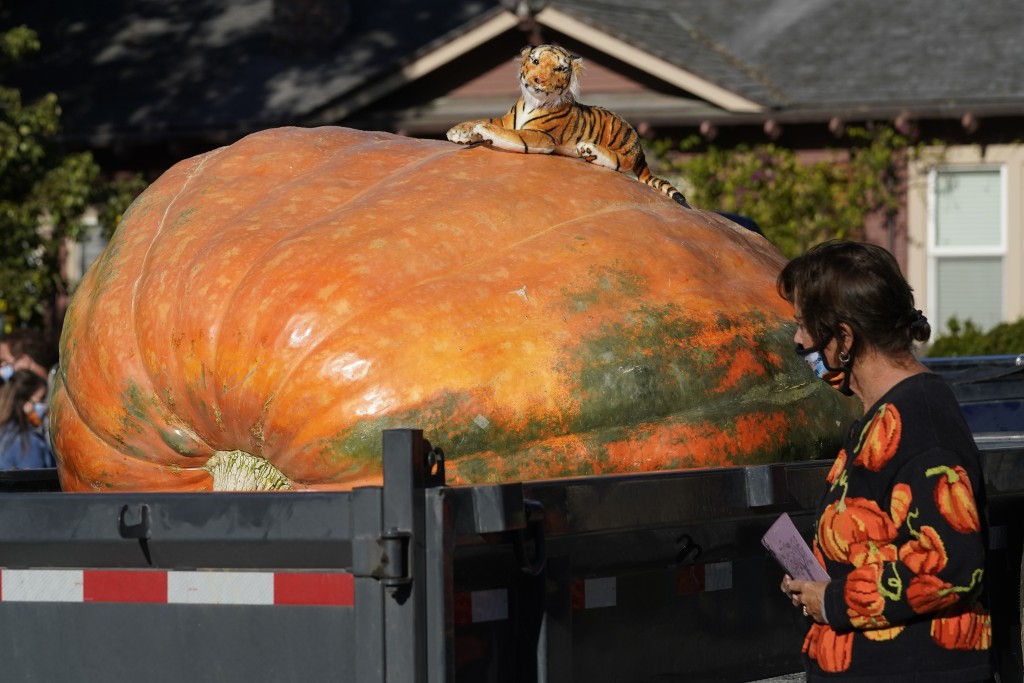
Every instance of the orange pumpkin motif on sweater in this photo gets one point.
(864, 598)
(850, 521)
(954, 497)
(817, 552)
(966, 631)
(899, 503)
(881, 634)
(880, 438)
(925, 554)
(927, 593)
(831, 650)
(869, 552)
(838, 466)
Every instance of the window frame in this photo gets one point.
(935, 252)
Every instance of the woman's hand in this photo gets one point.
(806, 595)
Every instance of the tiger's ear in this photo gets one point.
(576, 62)
(526, 50)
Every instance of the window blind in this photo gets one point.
(968, 208)
(970, 289)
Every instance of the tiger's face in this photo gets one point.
(549, 75)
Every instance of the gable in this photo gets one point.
(482, 82)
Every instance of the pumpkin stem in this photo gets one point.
(951, 476)
(914, 533)
(975, 580)
(845, 483)
(895, 582)
(241, 471)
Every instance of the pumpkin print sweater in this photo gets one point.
(899, 532)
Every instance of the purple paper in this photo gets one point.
(788, 548)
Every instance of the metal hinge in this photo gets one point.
(385, 558)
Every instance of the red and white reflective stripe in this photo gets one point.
(177, 587)
(701, 578)
(594, 593)
(474, 607)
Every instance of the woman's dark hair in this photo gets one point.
(15, 394)
(858, 284)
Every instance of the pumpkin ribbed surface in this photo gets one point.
(272, 305)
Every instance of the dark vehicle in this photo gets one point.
(990, 390)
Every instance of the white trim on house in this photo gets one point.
(921, 252)
(666, 71)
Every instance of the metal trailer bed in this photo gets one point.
(648, 577)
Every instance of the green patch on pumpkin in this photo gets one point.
(613, 280)
(642, 368)
(461, 422)
(135, 410)
(177, 441)
(635, 374)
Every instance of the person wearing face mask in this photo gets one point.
(22, 410)
(25, 348)
(901, 525)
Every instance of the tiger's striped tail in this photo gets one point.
(644, 175)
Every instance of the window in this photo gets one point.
(93, 244)
(82, 254)
(966, 246)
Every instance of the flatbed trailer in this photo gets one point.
(646, 577)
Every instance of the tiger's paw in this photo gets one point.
(465, 134)
(586, 151)
(598, 155)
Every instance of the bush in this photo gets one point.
(797, 202)
(44, 192)
(967, 339)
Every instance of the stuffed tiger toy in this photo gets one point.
(547, 119)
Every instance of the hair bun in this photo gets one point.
(920, 329)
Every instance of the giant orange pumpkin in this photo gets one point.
(267, 308)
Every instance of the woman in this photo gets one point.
(899, 529)
(22, 411)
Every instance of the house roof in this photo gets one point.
(824, 54)
(818, 58)
(154, 69)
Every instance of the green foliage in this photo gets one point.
(797, 203)
(44, 192)
(17, 42)
(968, 340)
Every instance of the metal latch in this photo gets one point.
(140, 530)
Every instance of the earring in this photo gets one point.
(844, 357)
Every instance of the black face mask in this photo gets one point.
(838, 378)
